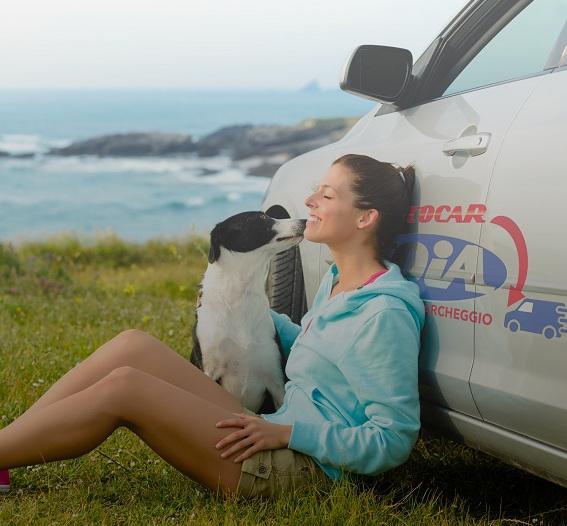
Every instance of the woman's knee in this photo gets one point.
(132, 336)
(123, 376)
(119, 384)
(128, 345)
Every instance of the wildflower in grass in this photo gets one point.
(129, 289)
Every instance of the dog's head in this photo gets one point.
(255, 231)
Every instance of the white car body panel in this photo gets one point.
(519, 379)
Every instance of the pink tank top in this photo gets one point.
(373, 277)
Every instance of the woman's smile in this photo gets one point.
(313, 219)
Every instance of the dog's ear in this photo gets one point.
(214, 250)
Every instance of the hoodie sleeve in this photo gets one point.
(286, 329)
(381, 367)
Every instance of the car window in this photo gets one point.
(526, 307)
(521, 48)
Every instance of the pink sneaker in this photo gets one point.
(4, 480)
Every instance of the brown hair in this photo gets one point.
(380, 185)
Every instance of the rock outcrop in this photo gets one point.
(289, 140)
(239, 142)
(130, 145)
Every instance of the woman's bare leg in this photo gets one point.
(178, 425)
(138, 349)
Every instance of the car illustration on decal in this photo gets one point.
(538, 316)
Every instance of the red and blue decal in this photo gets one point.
(447, 259)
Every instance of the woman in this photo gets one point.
(351, 402)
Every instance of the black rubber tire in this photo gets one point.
(286, 293)
(285, 286)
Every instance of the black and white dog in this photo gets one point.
(234, 340)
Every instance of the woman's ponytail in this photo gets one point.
(408, 173)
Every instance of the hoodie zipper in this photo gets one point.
(308, 325)
(325, 304)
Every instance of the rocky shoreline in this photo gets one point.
(266, 146)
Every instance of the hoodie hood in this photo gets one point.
(392, 283)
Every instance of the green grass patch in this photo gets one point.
(62, 298)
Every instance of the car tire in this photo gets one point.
(514, 326)
(549, 332)
(285, 287)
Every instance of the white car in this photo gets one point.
(483, 115)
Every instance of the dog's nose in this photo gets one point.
(302, 225)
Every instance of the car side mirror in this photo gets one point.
(377, 72)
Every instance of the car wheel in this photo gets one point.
(514, 326)
(549, 332)
(285, 287)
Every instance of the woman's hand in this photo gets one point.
(255, 434)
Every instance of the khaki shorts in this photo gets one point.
(272, 472)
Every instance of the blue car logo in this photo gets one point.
(445, 258)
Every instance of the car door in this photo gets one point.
(519, 374)
(453, 135)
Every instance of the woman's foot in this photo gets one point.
(4, 480)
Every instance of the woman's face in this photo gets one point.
(332, 216)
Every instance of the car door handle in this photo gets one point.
(471, 144)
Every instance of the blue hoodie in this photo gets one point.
(352, 397)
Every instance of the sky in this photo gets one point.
(203, 44)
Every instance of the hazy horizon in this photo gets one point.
(164, 88)
(132, 44)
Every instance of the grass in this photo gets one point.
(62, 298)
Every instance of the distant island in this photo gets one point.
(274, 144)
(312, 86)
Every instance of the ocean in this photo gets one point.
(136, 198)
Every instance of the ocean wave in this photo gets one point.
(233, 196)
(63, 205)
(19, 144)
(15, 200)
(211, 171)
(191, 202)
(71, 202)
(219, 173)
(187, 167)
(248, 185)
(199, 201)
(230, 180)
(19, 201)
